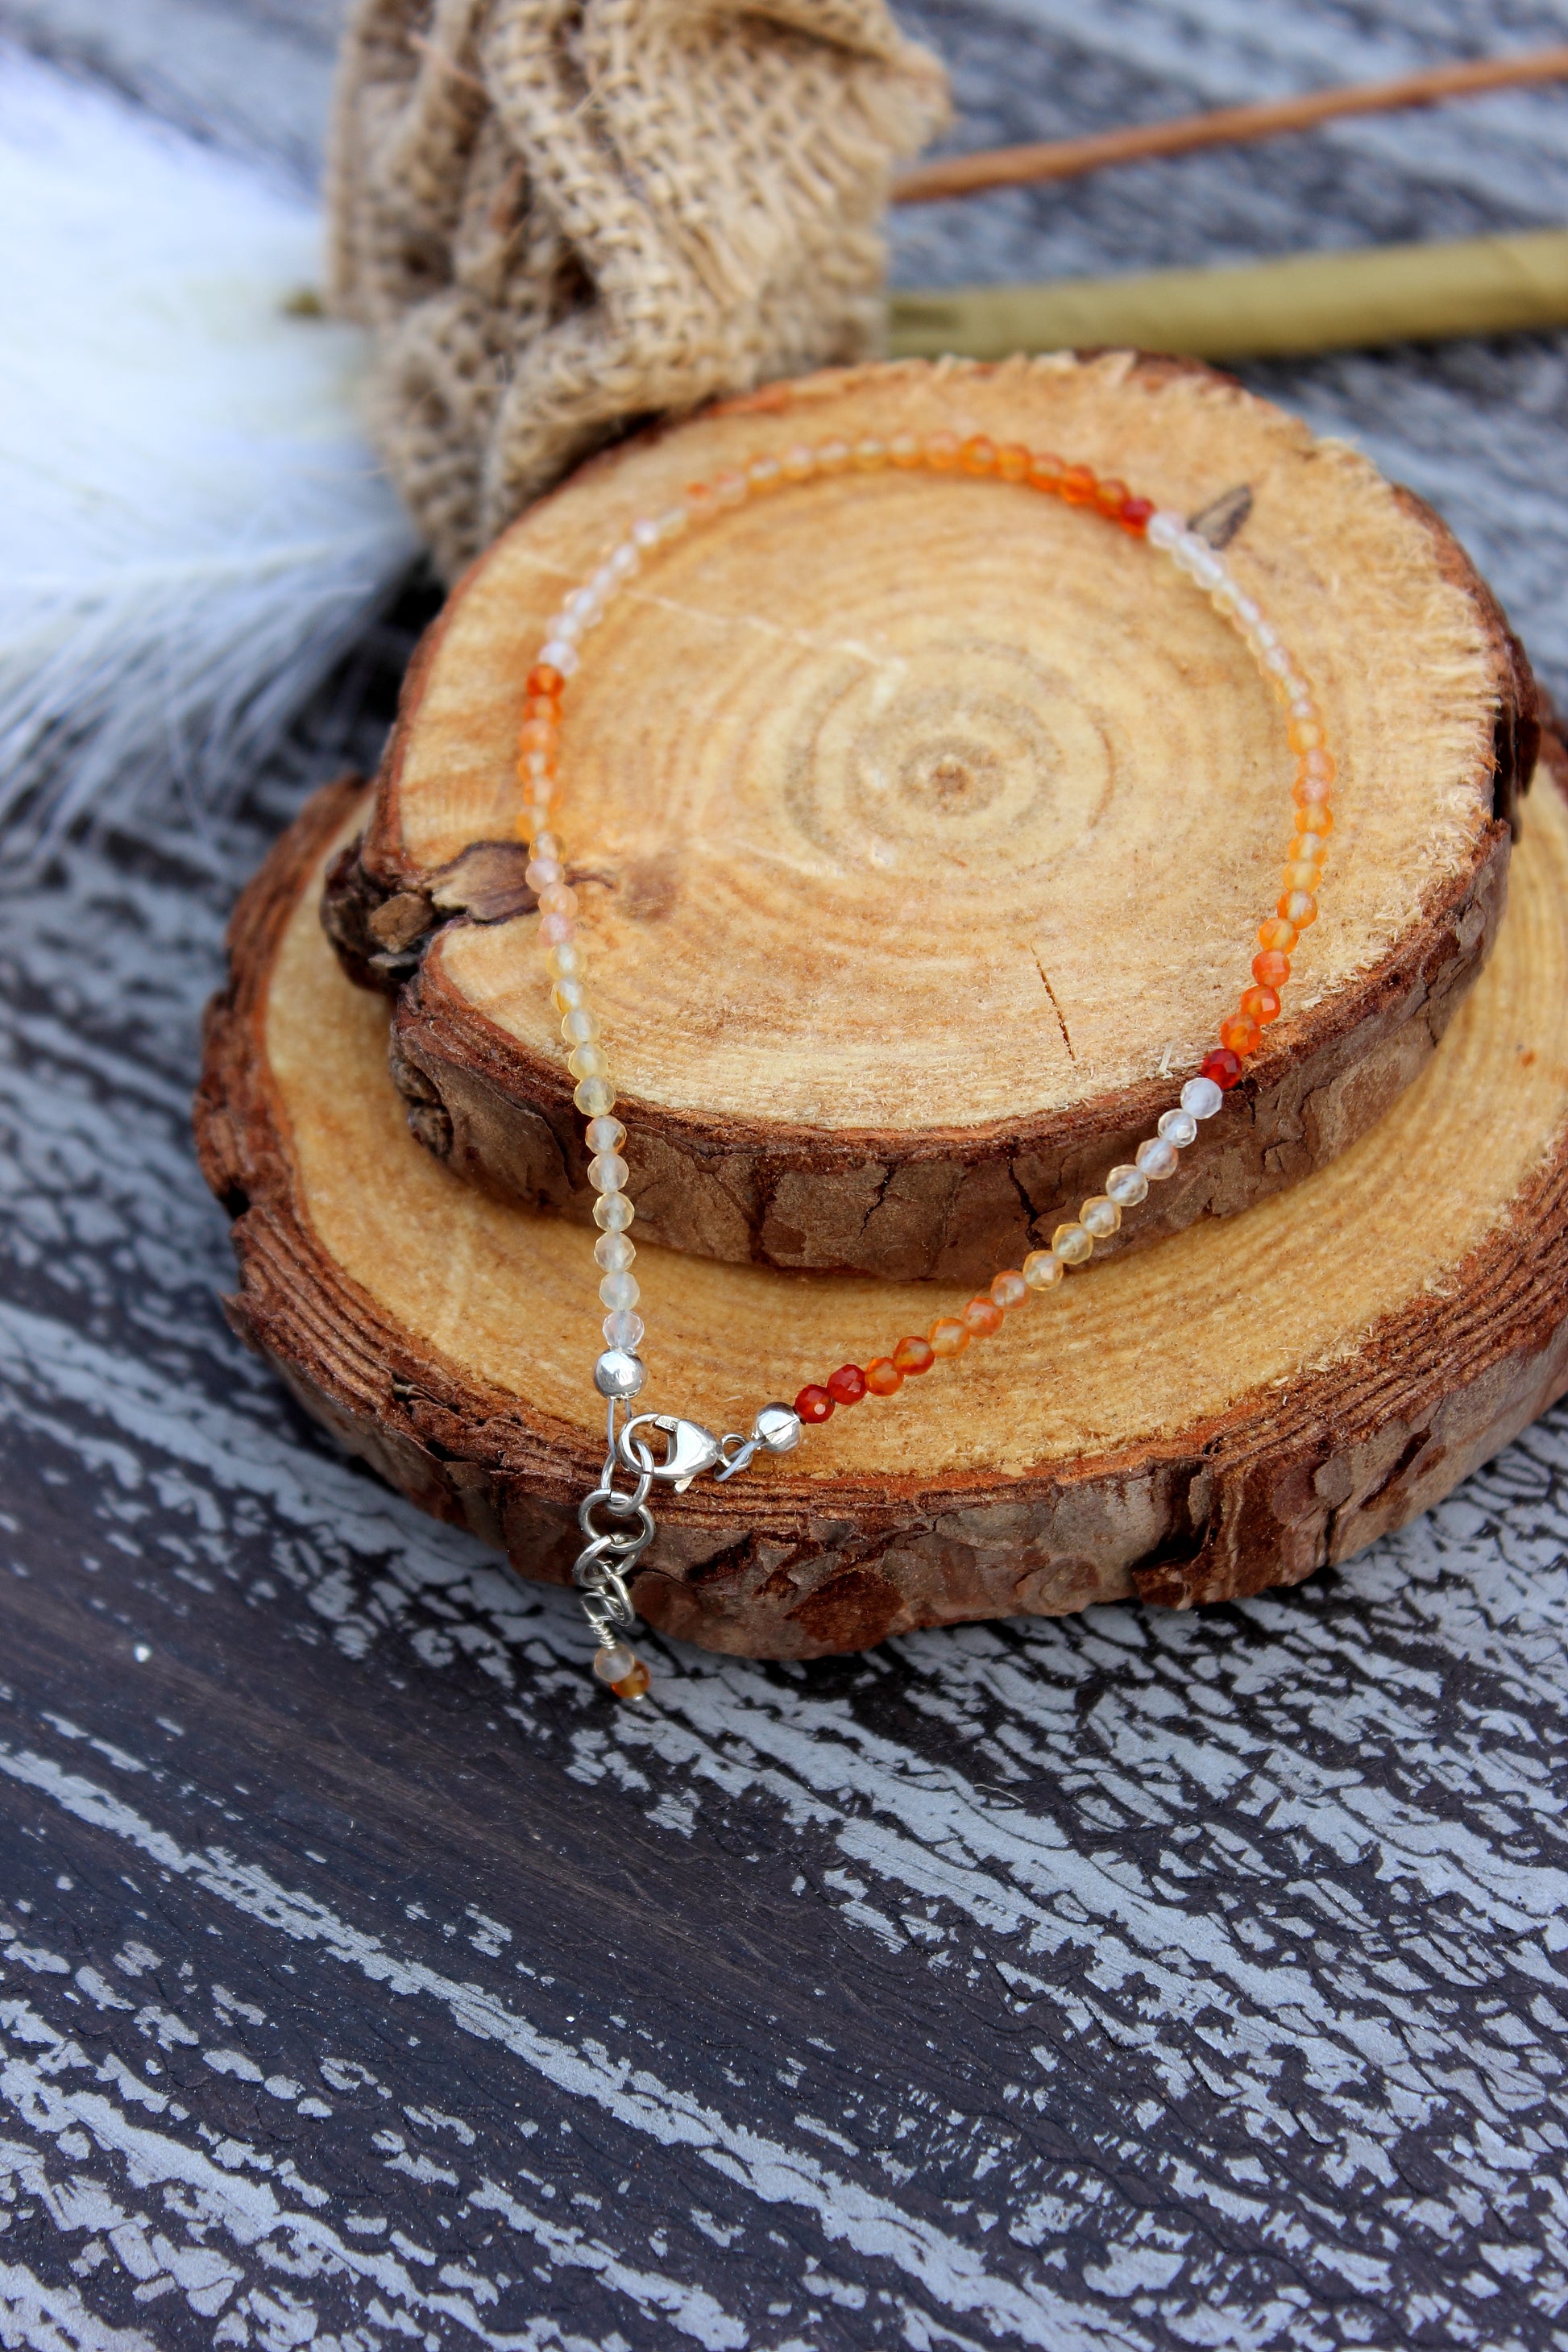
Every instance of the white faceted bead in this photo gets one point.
(1178, 1127)
(624, 561)
(604, 1134)
(1164, 529)
(561, 654)
(614, 1252)
(613, 1212)
(1201, 1097)
(1157, 1158)
(607, 1173)
(620, 1290)
(646, 532)
(623, 1329)
(1127, 1186)
(1099, 1216)
(1042, 1269)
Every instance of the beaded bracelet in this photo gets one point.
(610, 1553)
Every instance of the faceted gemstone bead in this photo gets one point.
(1099, 1216)
(623, 1330)
(541, 705)
(1305, 735)
(914, 1355)
(813, 1404)
(1127, 1186)
(1241, 1034)
(1110, 496)
(846, 1385)
(1009, 1289)
(1260, 1005)
(978, 454)
(614, 1662)
(1201, 1097)
(1136, 516)
(580, 1024)
(607, 1173)
(1276, 935)
(537, 735)
(1297, 907)
(1314, 816)
(545, 678)
(556, 931)
(764, 474)
(1042, 1269)
(1045, 471)
(982, 1318)
(730, 488)
(558, 898)
(1271, 970)
(904, 449)
(1157, 1158)
(832, 457)
(1318, 766)
(588, 1062)
(1078, 486)
(799, 464)
(1012, 461)
(948, 1336)
(1072, 1243)
(613, 1212)
(631, 1686)
(1223, 1066)
(615, 1253)
(606, 1135)
(942, 451)
(869, 454)
(1307, 848)
(618, 1290)
(883, 1377)
(1303, 876)
(1178, 1127)
(541, 872)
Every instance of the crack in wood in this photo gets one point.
(1056, 1008)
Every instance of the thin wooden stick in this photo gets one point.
(1066, 159)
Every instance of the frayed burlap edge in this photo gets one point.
(562, 217)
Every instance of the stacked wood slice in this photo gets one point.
(921, 827)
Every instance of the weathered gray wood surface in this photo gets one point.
(1133, 1982)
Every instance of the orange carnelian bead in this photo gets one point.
(1320, 766)
(813, 1404)
(1110, 496)
(1271, 970)
(1223, 1066)
(1308, 849)
(1012, 461)
(904, 449)
(1078, 486)
(949, 1336)
(543, 679)
(1277, 934)
(1045, 471)
(1305, 735)
(883, 1377)
(1298, 906)
(542, 706)
(846, 1385)
(1009, 1289)
(1304, 878)
(978, 454)
(1314, 816)
(982, 1317)
(912, 1356)
(1136, 516)
(537, 735)
(633, 1685)
(1239, 1034)
(942, 451)
(1260, 1005)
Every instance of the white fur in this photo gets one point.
(193, 525)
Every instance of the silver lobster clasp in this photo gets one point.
(690, 1449)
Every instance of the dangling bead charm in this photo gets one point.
(622, 1669)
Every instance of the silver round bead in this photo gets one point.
(620, 1374)
(777, 1428)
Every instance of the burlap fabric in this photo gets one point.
(562, 216)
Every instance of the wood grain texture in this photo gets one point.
(1227, 1412)
(922, 826)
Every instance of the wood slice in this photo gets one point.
(923, 824)
(1230, 1410)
